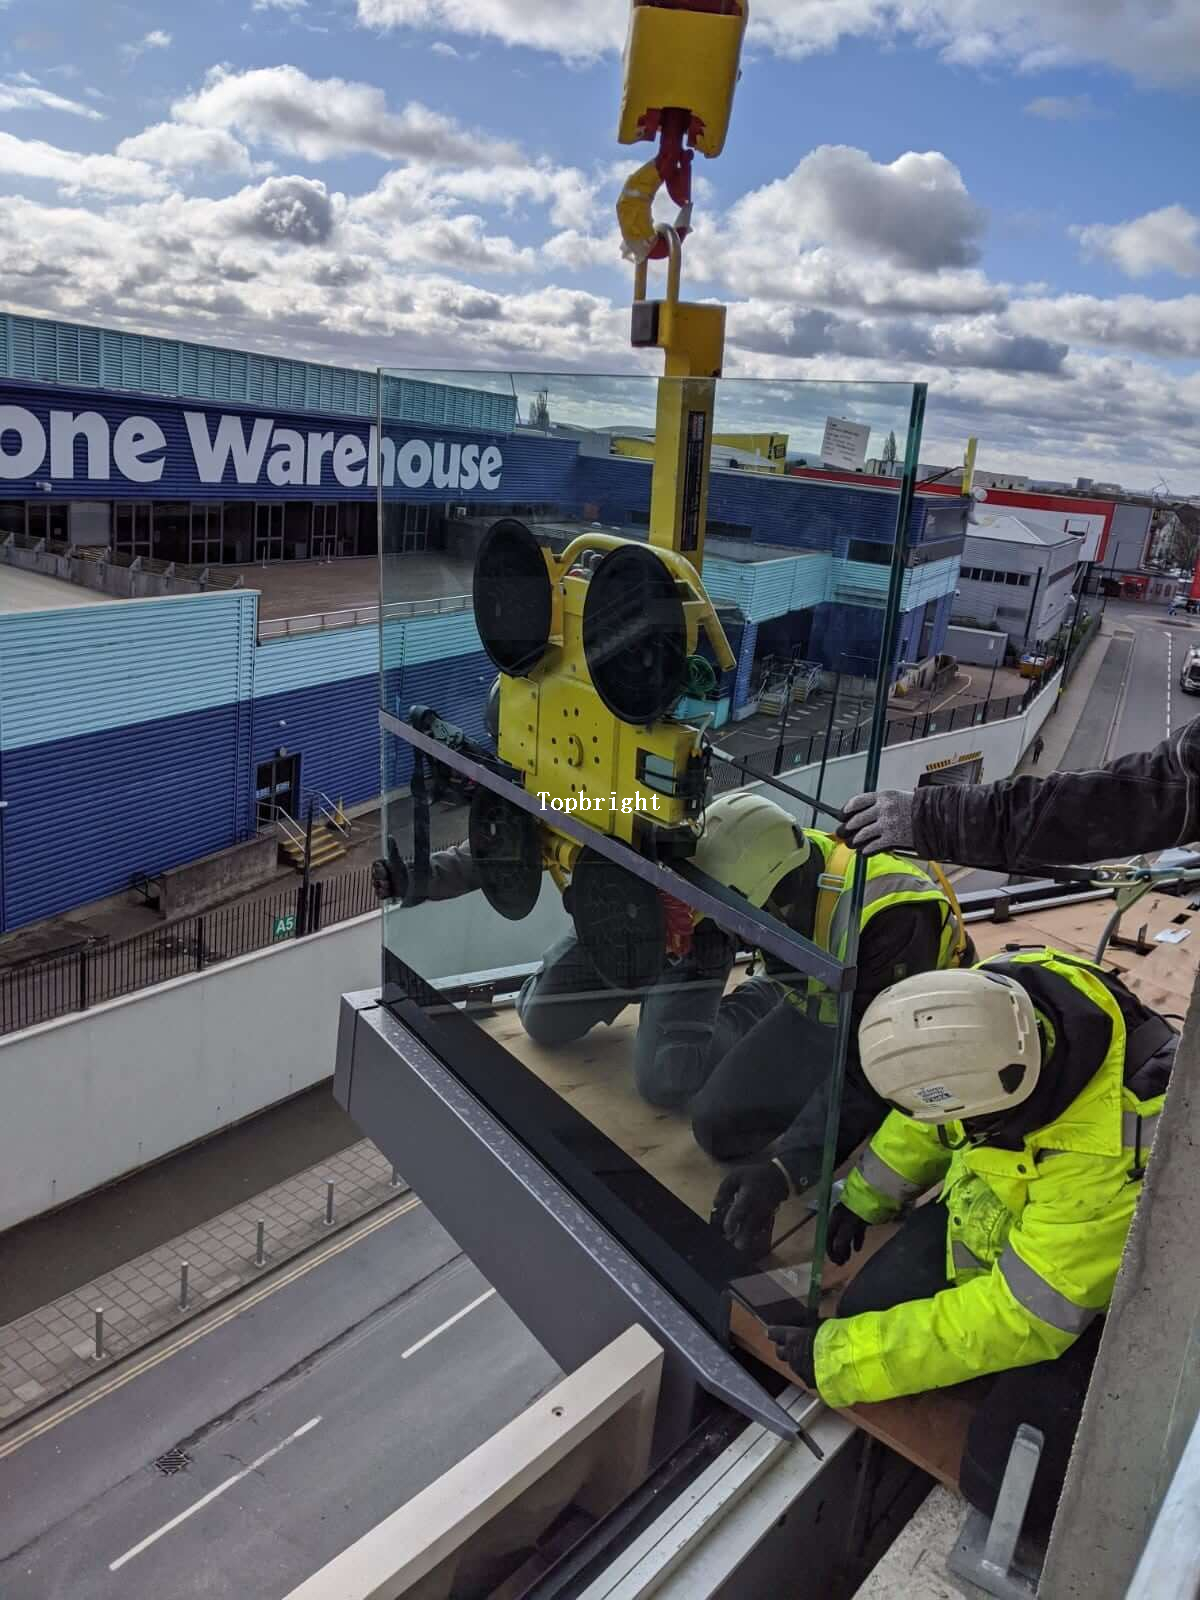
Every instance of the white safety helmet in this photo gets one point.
(751, 844)
(949, 1046)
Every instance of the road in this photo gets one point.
(1155, 706)
(301, 1417)
(1145, 655)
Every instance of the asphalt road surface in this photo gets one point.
(302, 1416)
(1155, 706)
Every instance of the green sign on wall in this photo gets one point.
(285, 927)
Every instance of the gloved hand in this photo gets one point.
(846, 1234)
(876, 822)
(389, 877)
(746, 1204)
(796, 1345)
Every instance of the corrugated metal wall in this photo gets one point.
(70, 353)
(125, 738)
(72, 672)
(789, 511)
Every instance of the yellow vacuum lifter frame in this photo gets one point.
(555, 728)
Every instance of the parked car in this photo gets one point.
(1189, 675)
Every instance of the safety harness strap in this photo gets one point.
(830, 887)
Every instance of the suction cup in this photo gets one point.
(512, 593)
(620, 921)
(507, 850)
(635, 635)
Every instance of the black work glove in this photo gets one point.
(389, 877)
(796, 1346)
(746, 1203)
(846, 1234)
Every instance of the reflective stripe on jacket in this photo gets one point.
(1034, 1236)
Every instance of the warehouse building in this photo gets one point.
(1017, 577)
(183, 484)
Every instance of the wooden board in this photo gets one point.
(595, 1076)
(930, 1430)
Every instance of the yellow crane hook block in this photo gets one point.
(685, 55)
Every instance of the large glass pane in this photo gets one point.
(653, 993)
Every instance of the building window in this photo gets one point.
(870, 550)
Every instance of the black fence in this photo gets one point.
(38, 990)
(804, 752)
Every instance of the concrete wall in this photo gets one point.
(218, 877)
(1001, 745)
(90, 1098)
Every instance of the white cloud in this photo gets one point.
(280, 5)
(439, 47)
(1159, 42)
(75, 173)
(178, 147)
(1167, 240)
(156, 39)
(20, 92)
(1062, 108)
(322, 118)
(1163, 328)
(915, 212)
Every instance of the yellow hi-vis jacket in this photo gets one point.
(1034, 1236)
(891, 881)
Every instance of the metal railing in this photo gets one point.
(361, 616)
(40, 990)
(808, 749)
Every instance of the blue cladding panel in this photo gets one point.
(66, 352)
(799, 512)
(85, 814)
(333, 727)
(745, 667)
(80, 671)
(288, 665)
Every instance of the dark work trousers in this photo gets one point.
(568, 997)
(749, 1066)
(769, 1082)
(1048, 1395)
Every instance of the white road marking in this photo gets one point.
(212, 1494)
(1170, 680)
(449, 1323)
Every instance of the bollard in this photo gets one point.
(99, 1333)
(329, 1203)
(183, 1285)
(260, 1247)
(395, 1178)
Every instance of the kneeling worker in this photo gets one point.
(1029, 1088)
(759, 1060)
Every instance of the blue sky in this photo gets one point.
(1001, 200)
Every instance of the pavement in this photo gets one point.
(244, 1452)
(50, 1349)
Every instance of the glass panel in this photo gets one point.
(581, 929)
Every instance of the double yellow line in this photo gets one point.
(181, 1342)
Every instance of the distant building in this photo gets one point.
(1018, 577)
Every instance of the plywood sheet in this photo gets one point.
(930, 1430)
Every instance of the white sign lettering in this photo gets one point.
(84, 447)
